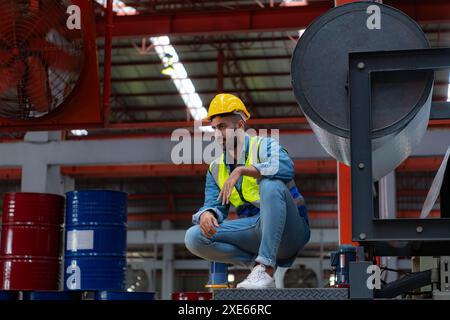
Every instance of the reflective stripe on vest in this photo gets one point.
(250, 187)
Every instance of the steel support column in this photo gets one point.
(168, 265)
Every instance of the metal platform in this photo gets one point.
(282, 294)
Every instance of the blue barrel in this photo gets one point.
(8, 295)
(115, 295)
(96, 238)
(51, 295)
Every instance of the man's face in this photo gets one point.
(228, 131)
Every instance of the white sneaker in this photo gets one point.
(257, 279)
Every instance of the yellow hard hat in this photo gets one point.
(226, 103)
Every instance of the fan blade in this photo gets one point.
(7, 25)
(4, 58)
(54, 56)
(50, 15)
(36, 87)
(11, 76)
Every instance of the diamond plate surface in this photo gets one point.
(282, 294)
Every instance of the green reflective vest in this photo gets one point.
(250, 186)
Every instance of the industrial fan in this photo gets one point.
(48, 71)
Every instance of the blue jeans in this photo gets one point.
(273, 237)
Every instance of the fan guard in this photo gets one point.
(40, 58)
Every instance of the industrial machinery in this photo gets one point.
(48, 66)
(365, 89)
(366, 92)
(340, 265)
(218, 275)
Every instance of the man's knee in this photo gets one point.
(271, 187)
(194, 239)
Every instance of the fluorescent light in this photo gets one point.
(180, 78)
(294, 3)
(169, 58)
(301, 32)
(120, 7)
(79, 132)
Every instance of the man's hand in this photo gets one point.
(228, 186)
(208, 224)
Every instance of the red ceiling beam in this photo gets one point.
(422, 164)
(10, 173)
(215, 22)
(214, 76)
(211, 41)
(158, 216)
(172, 170)
(164, 108)
(254, 19)
(416, 164)
(120, 135)
(143, 170)
(213, 92)
(202, 92)
(429, 11)
(184, 124)
(313, 215)
(245, 41)
(198, 60)
(258, 121)
(203, 77)
(309, 194)
(162, 196)
(328, 166)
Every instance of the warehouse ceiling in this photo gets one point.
(254, 65)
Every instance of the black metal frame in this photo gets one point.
(388, 236)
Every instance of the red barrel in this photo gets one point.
(192, 296)
(31, 245)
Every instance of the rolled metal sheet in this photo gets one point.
(401, 100)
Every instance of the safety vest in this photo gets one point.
(250, 187)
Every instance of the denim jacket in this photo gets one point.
(268, 158)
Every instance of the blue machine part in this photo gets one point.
(96, 222)
(218, 275)
(51, 295)
(115, 295)
(340, 260)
